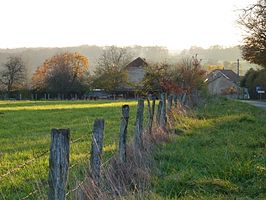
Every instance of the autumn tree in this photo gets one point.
(155, 75)
(109, 73)
(13, 75)
(253, 20)
(63, 73)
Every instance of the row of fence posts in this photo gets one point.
(47, 96)
(60, 144)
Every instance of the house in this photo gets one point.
(136, 70)
(223, 82)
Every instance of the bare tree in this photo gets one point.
(253, 20)
(14, 74)
(110, 74)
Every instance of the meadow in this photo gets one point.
(220, 153)
(25, 128)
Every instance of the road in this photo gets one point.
(259, 104)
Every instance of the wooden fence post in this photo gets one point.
(58, 164)
(96, 149)
(170, 102)
(139, 125)
(151, 109)
(158, 115)
(123, 133)
(163, 119)
(183, 99)
(175, 100)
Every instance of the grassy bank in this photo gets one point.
(219, 155)
(25, 134)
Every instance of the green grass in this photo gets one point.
(25, 128)
(220, 155)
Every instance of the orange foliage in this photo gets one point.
(76, 63)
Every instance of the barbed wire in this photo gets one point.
(29, 195)
(30, 161)
(76, 187)
(20, 166)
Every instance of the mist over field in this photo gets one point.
(214, 55)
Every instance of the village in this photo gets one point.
(124, 100)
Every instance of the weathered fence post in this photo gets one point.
(183, 99)
(170, 102)
(153, 107)
(150, 114)
(175, 100)
(139, 125)
(58, 164)
(123, 133)
(96, 149)
(163, 119)
(158, 115)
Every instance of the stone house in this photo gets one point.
(223, 82)
(135, 71)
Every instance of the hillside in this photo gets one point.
(215, 55)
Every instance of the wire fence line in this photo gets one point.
(21, 166)
(37, 156)
(37, 193)
(30, 161)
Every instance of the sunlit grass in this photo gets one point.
(25, 128)
(221, 154)
(65, 106)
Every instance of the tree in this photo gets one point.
(63, 73)
(109, 73)
(253, 20)
(252, 79)
(14, 74)
(188, 78)
(155, 75)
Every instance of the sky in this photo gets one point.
(175, 24)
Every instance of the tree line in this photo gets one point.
(67, 73)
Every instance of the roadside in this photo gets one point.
(259, 104)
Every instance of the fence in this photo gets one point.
(59, 153)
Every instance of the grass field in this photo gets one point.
(25, 134)
(221, 154)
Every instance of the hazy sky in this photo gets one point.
(175, 24)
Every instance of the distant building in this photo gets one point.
(136, 70)
(224, 82)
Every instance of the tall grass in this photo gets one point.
(219, 155)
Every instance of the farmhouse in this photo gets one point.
(223, 82)
(135, 71)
